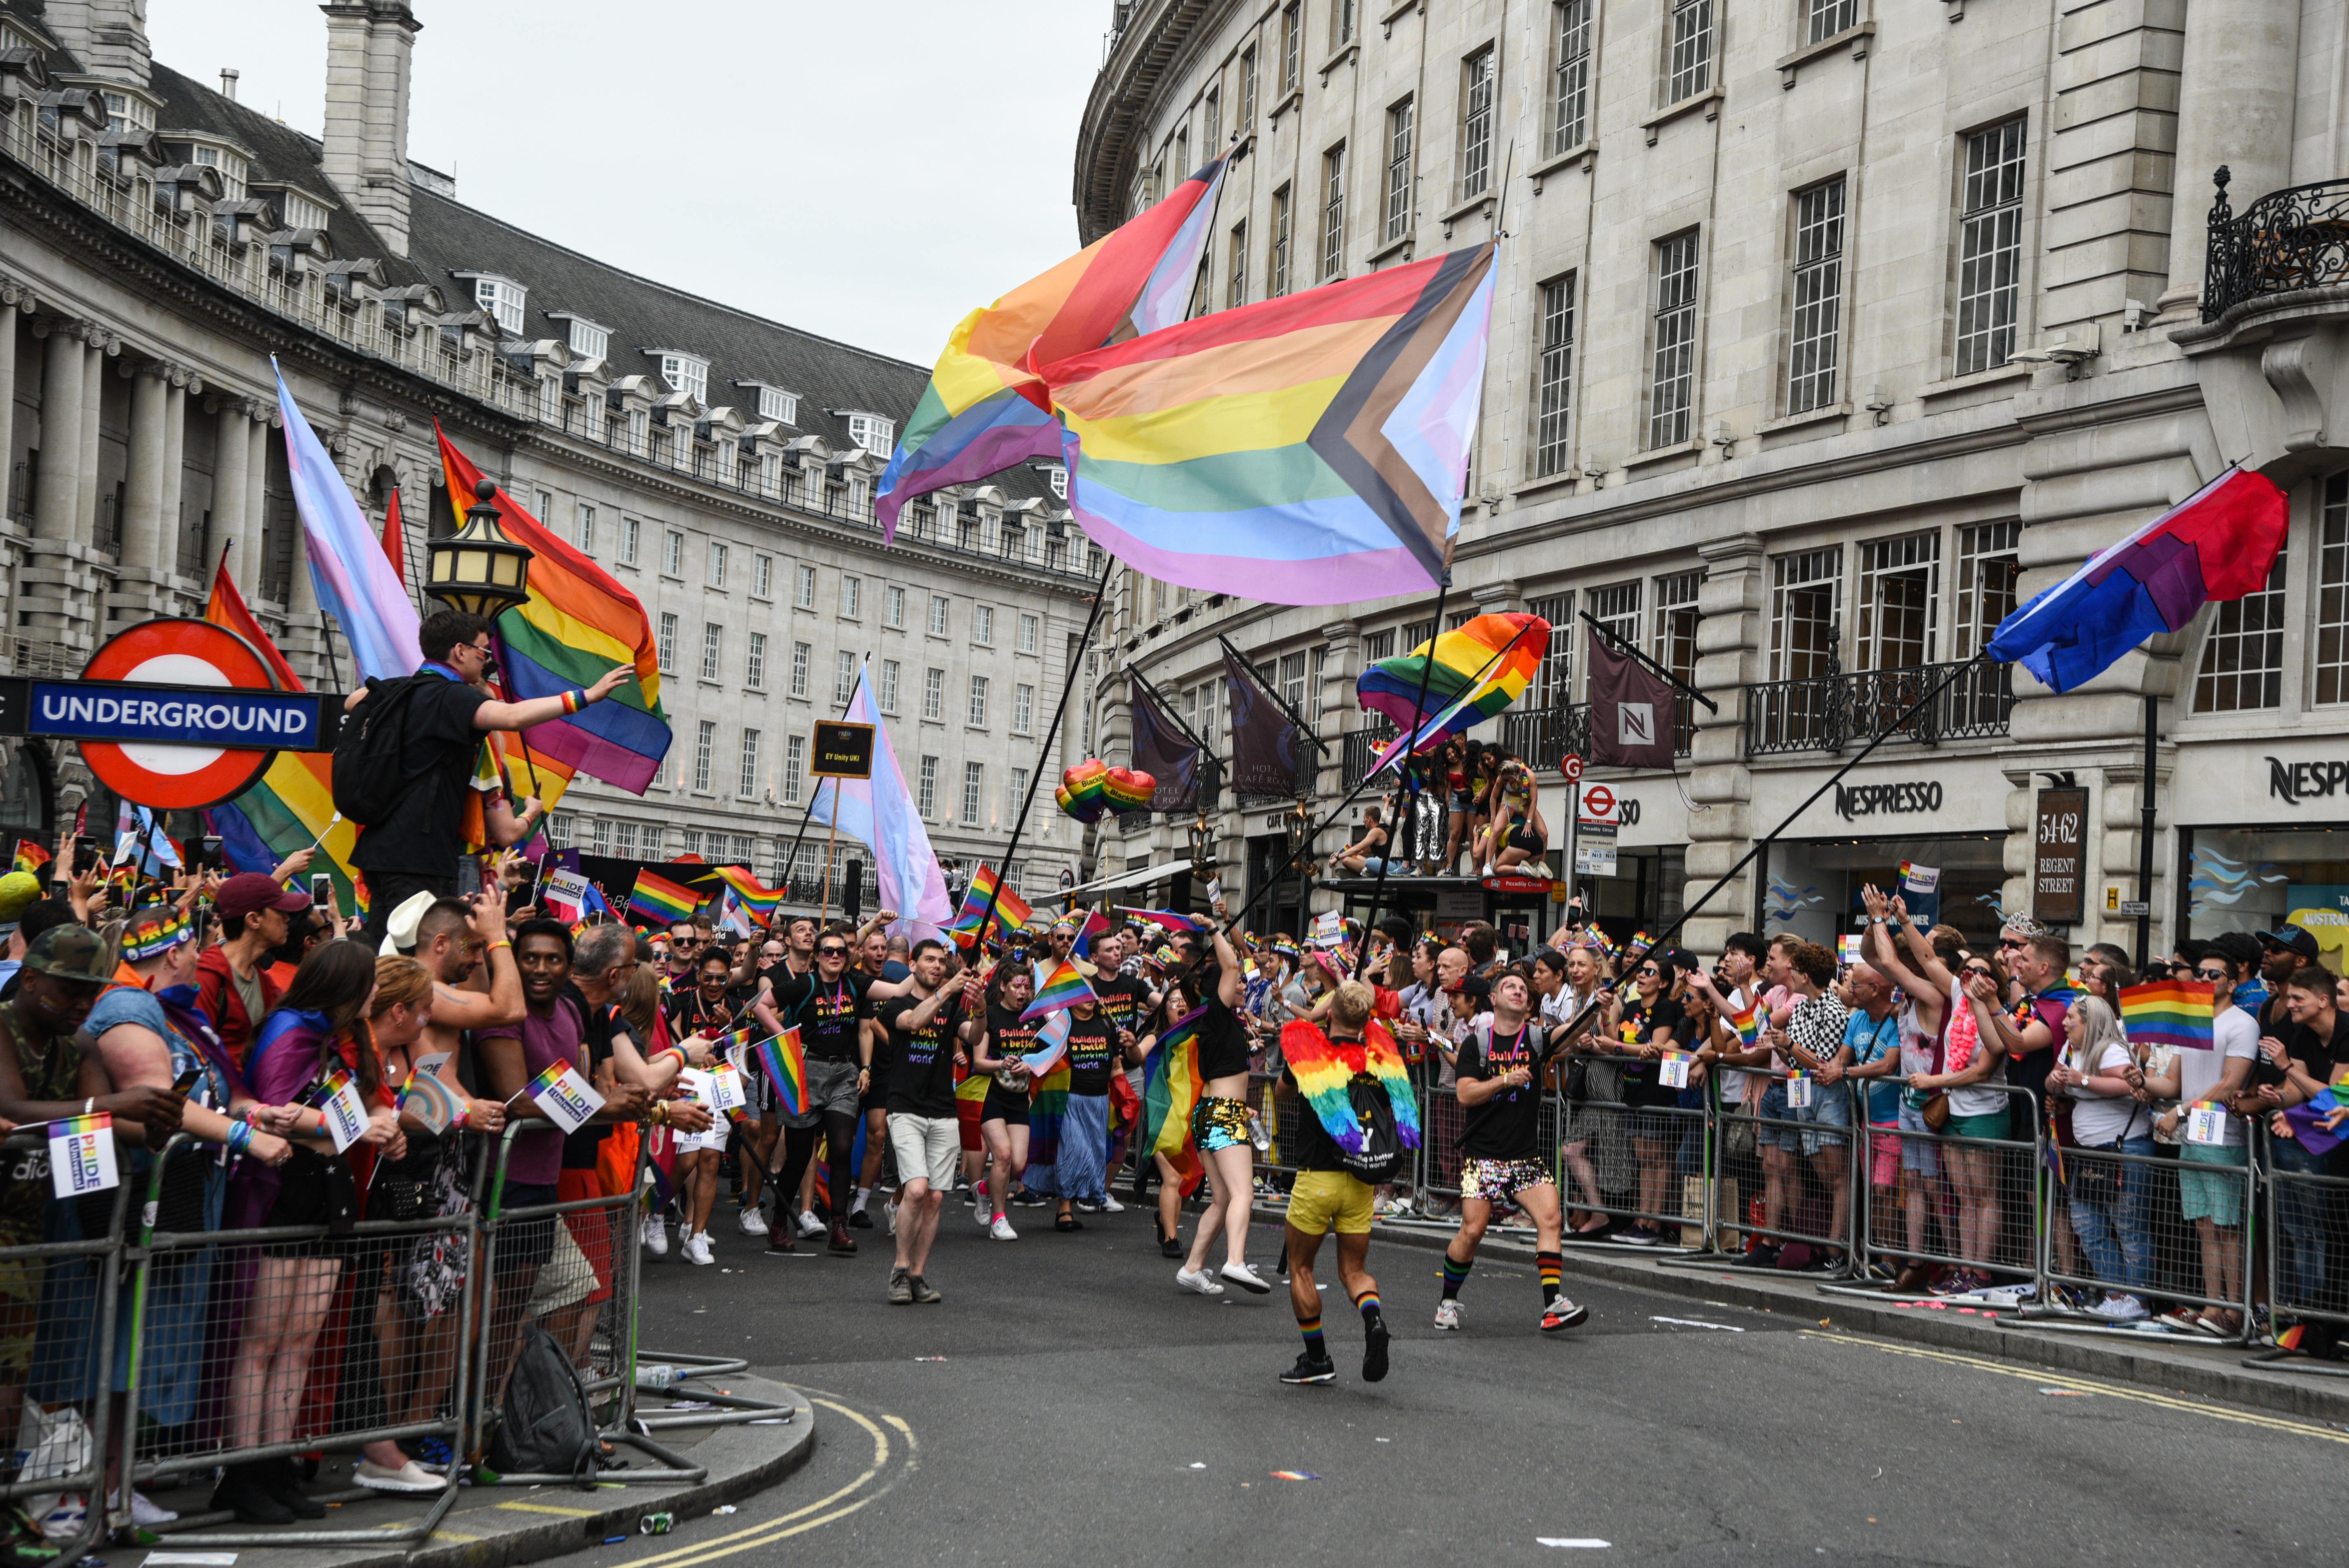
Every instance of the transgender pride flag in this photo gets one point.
(355, 581)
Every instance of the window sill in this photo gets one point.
(2009, 371)
(766, 599)
(1691, 448)
(1402, 248)
(1583, 152)
(1819, 416)
(1346, 53)
(1293, 99)
(755, 691)
(1564, 480)
(1451, 216)
(1709, 100)
(1397, 13)
(672, 577)
(1856, 37)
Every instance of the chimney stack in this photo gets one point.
(228, 83)
(370, 44)
(108, 37)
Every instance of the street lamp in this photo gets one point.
(1203, 846)
(478, 569)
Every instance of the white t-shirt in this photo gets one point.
(1732, 1079)
(2099, 1120)
(2237, 1035)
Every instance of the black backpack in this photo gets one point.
(545, 1427)
(1382, 1148)
(372, 762)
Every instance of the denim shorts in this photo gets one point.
(1918, 1152)
(1830, 1107)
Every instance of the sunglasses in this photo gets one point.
(832, 952)
(2212, 974)
(1984, 970)
(2010, 942)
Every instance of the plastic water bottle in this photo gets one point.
(1257, 1134)
(659, 1376)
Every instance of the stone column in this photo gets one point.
(232, 450)
(63, 369)
(93, 386)
(256, 481)
(143, 493)
(1730, 649)
(7, 394)
(169, 494)
(2235, 99)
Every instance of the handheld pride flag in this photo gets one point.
(785, 1066)
(2174, 1013)
(1012, 910)
(434, 1103)
(1052, 1047)
(568, 1099)
(81, 1155)
(1060, 988)
(30, 856)
(660, 900)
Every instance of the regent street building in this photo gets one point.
(1826, 331)
(160, 241)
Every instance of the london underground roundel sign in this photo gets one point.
(177, 651)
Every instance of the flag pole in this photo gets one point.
(792, 859)
(1402, 775)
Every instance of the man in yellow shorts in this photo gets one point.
(1328, 1196)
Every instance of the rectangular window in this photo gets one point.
(652, 843)
(603, 838)
(801, 657)
(1292, 45)
(1015, 794)
(1554, 381)
(749, 786)
(2333, 593)
(716, 563)
(806, 600)
(889, 686)
(672, 553)
(843, 676)
(1674, 385)
(1291, 675)
(1399, 176)
(1236, 281)
(979, 702)
(1828, 17)
(974, 781)
(893, 605)
(1816, 338)
(1247, 85)
(1569, 82)
(1691, 58)
(1276, 275)
(925, 784)
(762, 575)
(1341, 23)
(627, 839)
(705, 741)
(665, 644)
(585, 535)
(754, 670)
(2243, 653)
(1212, 121)
(1989, 566)
(1027, 633)
(1676, 623)
(628, 530)
(712, 636)
(938, 615)
(933, 694)
(1476, 124)
(1805, 605)
(794, 766)
(1617, 608)
(1333, 212)
(1990, 248)
(982, 624)
(1023, 708)
(1899, 590)
(852, 597)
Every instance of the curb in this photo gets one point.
(2320, 1400)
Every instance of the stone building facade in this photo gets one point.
(159, 242)
(1829, 330)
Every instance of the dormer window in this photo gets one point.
(1060, 481)
(503, 300)
(125, 110)
(230, 166)
(685, 372)
(871, 432)
(588, 341)
(778, 405)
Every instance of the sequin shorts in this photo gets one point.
(1500, 1181)
(1219, 1123)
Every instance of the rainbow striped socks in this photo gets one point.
(1551, 1266)
(1456, 1274)
(1311, 1328)
(1367, 1303)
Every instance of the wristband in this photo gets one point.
(240, 1137)
(494, 947)
(574, 699)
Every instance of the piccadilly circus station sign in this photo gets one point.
(173, 714)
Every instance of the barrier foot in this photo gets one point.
(2281, 1360)
(735, 1410)
(694, 1365)
(419, 1531)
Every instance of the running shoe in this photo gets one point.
(2122, 1308)
(696, 1249)
(978, 1211)
(809, 1224)
(409, 1477)
(925, 1295)
(889, 1217)
(1085, 1206)
(901, 1286)
(859, 1220)
(1246, 1278)
(1172, 1247)
(1374, 1349)
(1110, 1205)
(1001, 1229)
(1447, 1314)
(147, 1513)
(750, 1223)
(1637, 1236)
(1561, 1314)
(1199, 1280)
(433, 1454)
(655, 1235)
(1310, 1369)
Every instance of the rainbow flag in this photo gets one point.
(2175, 1012)
(1385, 1063)
(758, 897)
(786, 1068)
(1746, 1025)
(1309, 450)
(1323, 1069)
(1165, 919)
(659, 899)
(1171, 1086)
(1473, 672)
(1048, 1103)
(985, 408)
(1057, 988)
(31, 857)
(1012, 910)
(578, 623)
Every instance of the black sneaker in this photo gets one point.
(1374, 1350)
(1762, 1258)
(860, 1221)
(1310, 1369)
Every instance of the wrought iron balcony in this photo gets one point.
(1828, 712)
(2292, 239)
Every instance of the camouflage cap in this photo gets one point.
(70, 953)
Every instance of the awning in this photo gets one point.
(1122, 880)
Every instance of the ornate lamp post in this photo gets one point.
(478, 568)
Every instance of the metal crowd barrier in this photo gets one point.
(2307, 1245)
(1953, 1202)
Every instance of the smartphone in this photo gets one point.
(85, 853)
(186, 1080)
(322, 891)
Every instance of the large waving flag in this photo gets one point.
(1012, 910)
(879, 811)
(356, 583)
(1477, 669)
(578, 623)
(757, 899)
(985, 408)
(292, 804)
(1310, 449)
(2216, 545)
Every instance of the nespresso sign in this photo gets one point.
(1887, 799)
(2292, 782)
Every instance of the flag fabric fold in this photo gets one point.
(1012, 910)
(355, 584)
(661, 901)
(1472, 673)
(1264, 743)
(1161, 751)
(880, 812)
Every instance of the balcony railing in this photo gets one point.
(2287, 240)
(1826, 712)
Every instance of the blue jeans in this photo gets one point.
(2112, 1232)
(2300, 1216)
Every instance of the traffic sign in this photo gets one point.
(172, 749)
(1571, 766)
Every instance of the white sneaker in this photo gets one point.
(809, 1224)
(1246, 1278)
(656, 1235)
(144, 1510)
(979, 1212)
(1002, 1231)
(750, 1223)
(1200, 1280)
(1112, 1206)
(2122, 1308)
(409, 1477)
(1447, 1315)
(889, 1219)
(696, 1248)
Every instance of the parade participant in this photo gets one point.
(871, 947)
(997, 1040)
(1368, 854)
(922, 1132)
(1328, 1195)
(828, 1006)
(759, 1129)
(1081, 1170)
(708, 1009)
(1498, 1082)
(233, 986)
(1518, 832)
(1219, 1121)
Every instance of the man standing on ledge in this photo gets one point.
(418, 845)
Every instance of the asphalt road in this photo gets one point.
(1068, 1404)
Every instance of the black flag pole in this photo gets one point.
(1402, 769)
(1651, 665)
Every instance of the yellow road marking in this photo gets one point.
(2142, 1396)
(453, 1536)
(765, 1532)
(549, 1508)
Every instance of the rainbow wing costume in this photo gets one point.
(1325, 1069)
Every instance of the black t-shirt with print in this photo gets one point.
(1508, 1125)
(1093, 1053)
(826, 1013)
(1007, 1036)
(1123, 1002)
(921, 1060)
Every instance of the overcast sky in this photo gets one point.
(869, 171)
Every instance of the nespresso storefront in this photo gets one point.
(2263, 839)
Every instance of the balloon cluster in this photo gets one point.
(1092, 789)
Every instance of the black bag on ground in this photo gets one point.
(1382, 1148)
(544, 1428)
(373, 766)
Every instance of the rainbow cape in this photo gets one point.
(1309, 450)
(578, 623)
(2168, 1013)
(986, 408)
(1057, 988)
(1324, 1068)
(2216, 545)
(786, 1068)
(659, 899)
(1473, 672)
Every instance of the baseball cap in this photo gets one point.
(249, 892)
(70, 953)
(2300, 939)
